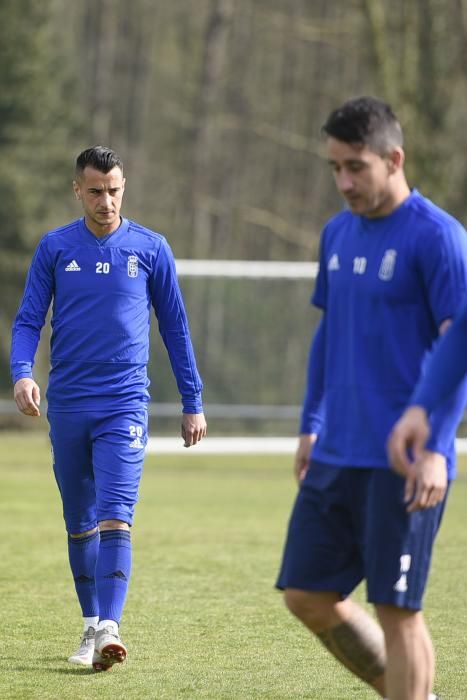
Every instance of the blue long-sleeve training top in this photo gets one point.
(385, 286)
(102, 291)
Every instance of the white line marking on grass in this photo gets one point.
(224, 445)
(240, 445)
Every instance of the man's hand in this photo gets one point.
(303, 454)
(194, 428)
(426, 481)
(27, 396)
(410, 432)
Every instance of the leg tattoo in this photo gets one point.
(358, 645)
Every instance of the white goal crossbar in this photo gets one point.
(255, 269)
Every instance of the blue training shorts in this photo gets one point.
(98, 461)
(351, 524)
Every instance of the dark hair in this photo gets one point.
(99, 157)
(366, 121)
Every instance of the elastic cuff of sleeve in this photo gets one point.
(418, 402)
(310, 425)
(434, 446)
(192, 407)
(24, 374)
(316, 427)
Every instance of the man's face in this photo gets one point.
(362, 177)
(101, 195)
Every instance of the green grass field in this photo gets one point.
(202, 618)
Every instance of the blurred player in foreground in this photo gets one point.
(445, 370)
(392, 274)
(103, 273)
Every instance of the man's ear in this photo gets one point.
(76, 189)
(395, 160)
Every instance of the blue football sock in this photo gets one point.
(82, 555)
(113, 573)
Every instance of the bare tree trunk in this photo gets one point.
(461, 16)
(385, 63)
(134, 132)
(211, 74)
(100, 46)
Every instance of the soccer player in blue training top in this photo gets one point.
(392, 273)
(445, 370)
(103, 273)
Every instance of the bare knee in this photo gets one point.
(397, 622)
(295, 600)
(315, 609)
(113, 525)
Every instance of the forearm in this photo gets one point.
(183, 363)
(174, 330)
(446, 367)
(312, 411)
(23, 350)
(445, 419)
(31, 314)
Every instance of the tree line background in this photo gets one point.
(215, 107)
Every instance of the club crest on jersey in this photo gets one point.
(132, 266)
(388, 263)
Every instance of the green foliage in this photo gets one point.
(36, 123)
(217, 116)
(36, 119)
(203, 619)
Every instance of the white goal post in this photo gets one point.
(248, 269)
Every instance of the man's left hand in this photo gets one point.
(426, 481)
(194, 428)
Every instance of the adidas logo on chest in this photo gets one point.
(73, 267)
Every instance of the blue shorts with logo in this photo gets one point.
(351, 524)
(98, 461)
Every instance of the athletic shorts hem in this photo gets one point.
(414, 605)
(310, 588)
(125, 517)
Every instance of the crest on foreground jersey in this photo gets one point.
(388, 263)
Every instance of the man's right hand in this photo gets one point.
(303, 454)
(27, 396)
